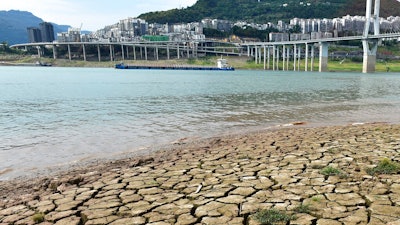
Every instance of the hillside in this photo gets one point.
(261, 11)
(13, 26)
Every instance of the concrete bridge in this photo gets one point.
(278, 52)
(138, 50)
(261, 51)
(370, 45)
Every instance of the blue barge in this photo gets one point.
(221, 65)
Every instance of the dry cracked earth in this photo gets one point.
(226, 180)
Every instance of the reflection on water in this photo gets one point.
(55, 116)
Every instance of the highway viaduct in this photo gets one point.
(261, 51)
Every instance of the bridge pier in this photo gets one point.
(134, 52)
(111, 54)
(168, 57)
(312, 58)
(323, 57)
(98, 53)
(122, 52)
(277, 57)
(145, 52)
(54, 51)
(256, 55)
(84, 52)
(306, 58)
(287, 58)
(69, 53)
(299, 58)
(269, 57)
(294, 57)
(369, 57)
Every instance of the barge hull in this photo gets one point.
(122, 66)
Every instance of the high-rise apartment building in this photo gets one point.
(47, 31)
(34, 35)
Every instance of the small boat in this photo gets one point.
(39, 63)
(221, 65)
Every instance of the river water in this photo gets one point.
(53, 117)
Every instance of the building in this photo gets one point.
(47, 32)
(73, 35)
(34, 35)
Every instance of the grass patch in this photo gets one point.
(38, 218)
(272, 216)
(331, 171)
(316, 198)
(385, 166)
(303, 208)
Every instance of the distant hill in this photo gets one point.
(13, 26)
(262, 11)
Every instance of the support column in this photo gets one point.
(98, 53)
(38, 51)
(277, 57)
(269, 57)
(273, 57)
(54, 52)
(288, 58)
(168, 57)
(369, 57)
(312, 57)
(69, 52)
(294, 57)
(122, 52)
(299, 59)
(248, 51)
(283, 57)
(177, 50)
(134, 52)
(370, 46)
(260, 55)
(376, 17)
(367, 18)
(145, 52)
(256, 55)
(84, 52)
(111, 54)
(306, 58)
(157, 53)
(188, 51)
(265, 57)
(323, 57)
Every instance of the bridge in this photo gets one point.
(370, 45)
(261, 51)
(138, 50)
(275, 51)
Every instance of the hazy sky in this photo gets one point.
(93, 14)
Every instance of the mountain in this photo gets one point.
(262, 11)
(13, 26)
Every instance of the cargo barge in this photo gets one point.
(221, 65)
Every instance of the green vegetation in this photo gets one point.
(38, 217)
(316, 198)
(271, 217)
(303, 208)
(330, 171)
(385, 166)
(267, 11)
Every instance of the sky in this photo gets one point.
(91, 14)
